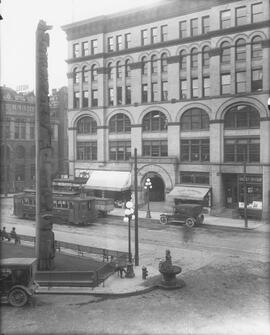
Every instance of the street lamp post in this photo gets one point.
(129, 214)
(148, 186)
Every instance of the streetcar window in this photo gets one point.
(70, 204)
(54, 204)
(64, 204)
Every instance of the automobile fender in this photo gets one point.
(26, 289)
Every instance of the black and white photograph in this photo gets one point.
(135, 167)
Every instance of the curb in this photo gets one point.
(102, 294)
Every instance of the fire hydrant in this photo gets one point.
(144, 272)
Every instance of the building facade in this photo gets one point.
(184, 82)
(18, 141)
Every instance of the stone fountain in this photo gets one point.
(169, 273)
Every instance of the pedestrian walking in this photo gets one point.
(188, 234)
(14, 235)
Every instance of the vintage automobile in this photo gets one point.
(190, 214)
(17, 280)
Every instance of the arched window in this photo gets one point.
(87, 125)
(164, 63)
(20, 152)
(118, 70)
(240, 50)
(205, 56)
(127, 68)
(110, 71)
(84, 74)
(75, 76)
(119, 123)
(256, 47)
(144, 66)
(194, 119)
(154, 121)
(194, 58)
(94, 74)
(225, 53)
(153, 64)
(242, 116)
(183, 60)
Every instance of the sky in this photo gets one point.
(18, 28)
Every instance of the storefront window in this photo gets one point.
(254, 189)
(187, 177)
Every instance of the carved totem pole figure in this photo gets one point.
(45, 250)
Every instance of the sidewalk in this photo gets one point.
(112, 286)
(215, 221)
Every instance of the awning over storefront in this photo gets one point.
(109, 180)
(188, 193)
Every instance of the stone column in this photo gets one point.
(216, 158)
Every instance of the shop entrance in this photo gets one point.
(230, 189)
(158, 189)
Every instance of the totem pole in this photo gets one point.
(45, 250)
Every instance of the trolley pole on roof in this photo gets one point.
(45, 249)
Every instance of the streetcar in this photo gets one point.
(69, 207)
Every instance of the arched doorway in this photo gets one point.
(157, 192)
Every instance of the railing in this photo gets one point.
(81, 250)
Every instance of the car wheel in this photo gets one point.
(17, 297)
(163, 219)
(190, 222)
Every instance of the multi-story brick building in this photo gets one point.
(184, 82)
(18, 140)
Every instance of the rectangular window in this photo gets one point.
(225, 83)
(111, 96)
(118, 42)
(194, 87)
(110, 44)
(144, 37)
(256, 79)
(205, 24)
(195, 150)
(144, 92)
(94, 98)
(154, 35)
(76, 100)
(183, 89)
(257, 12)
(154, 92)
(85, 99)
(32, 130)
(86, 151)
(225, 19)
(128, 95)
(164, 91)
(194, 27)
(155, 148)
(187, 177)
(119, 95)
(242, 149)
(85, 49)
(119, 150)
(240, 16)
(93, 47)
(183, 29)
(76, 50)
(240, 82)
(206, 86)
(127, 40)
(164, 33)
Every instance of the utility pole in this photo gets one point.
(136, 208)
(45, 250)
(245, 192)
